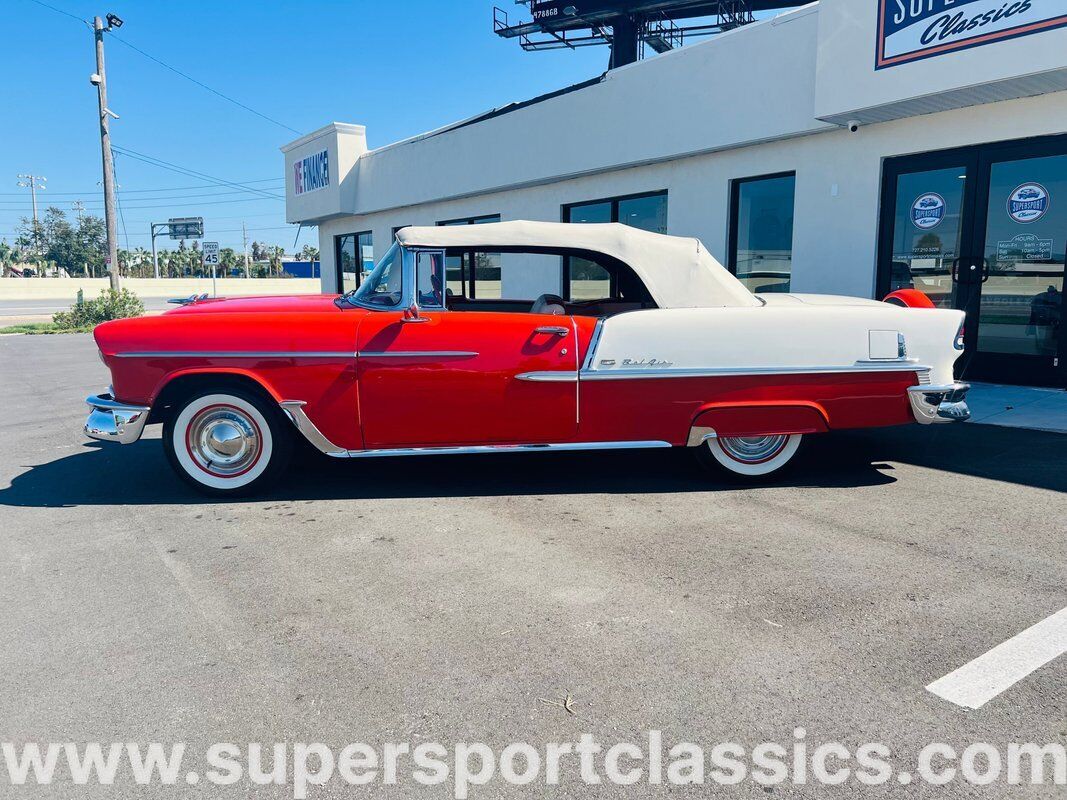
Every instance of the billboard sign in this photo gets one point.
(311, 173)
(186, 227)
(910, 30)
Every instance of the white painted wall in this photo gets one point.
(690, 121)
(847, 85)
(835, 238)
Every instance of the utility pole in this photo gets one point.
(99, 79)
(33, 183)
(244, 239)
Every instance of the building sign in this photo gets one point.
(1024, 247)
(1028, 203)
(928, 211)
(311, 173)
(909, 30)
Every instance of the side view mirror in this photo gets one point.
(411, 314)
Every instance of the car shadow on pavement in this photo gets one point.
(138, 474)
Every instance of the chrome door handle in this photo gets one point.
(552, 329)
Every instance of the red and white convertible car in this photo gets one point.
(677, 354)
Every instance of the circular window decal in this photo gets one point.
(928, 211)
(1028, 203)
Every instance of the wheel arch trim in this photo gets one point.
(715, 420)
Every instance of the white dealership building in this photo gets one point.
(845, 147)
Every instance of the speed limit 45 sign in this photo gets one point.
(210, 254)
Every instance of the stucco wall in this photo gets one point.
(834, 235)
(67, 288)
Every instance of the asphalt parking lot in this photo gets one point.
(447, 599)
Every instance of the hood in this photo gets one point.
(296, 303)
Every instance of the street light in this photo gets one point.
(113, 21)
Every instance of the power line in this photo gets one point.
(132, 191)
(158, 162)
(94, 206)
(175, 70)
(202, 85)
(61, 11)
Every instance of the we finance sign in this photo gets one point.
(311, 173)
(909, 30)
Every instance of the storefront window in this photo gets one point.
(355, 259)
(473, 274)
(586, 280)
(761, 239)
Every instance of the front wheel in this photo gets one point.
(749, 457)
(227, 442)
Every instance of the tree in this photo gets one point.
(228, 261)
(77, 250)
(309, 253)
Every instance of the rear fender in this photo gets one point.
(757, 419)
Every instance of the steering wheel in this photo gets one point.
(549, 304)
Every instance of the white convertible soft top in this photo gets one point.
(678, 272)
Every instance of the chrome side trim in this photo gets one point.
(294, 409)
(722, 372)
(594, 341)
(415, 354)
(548, 377)
(112, 421)
(238, 354)
(868, 362)
(505, 448)
(939, 404)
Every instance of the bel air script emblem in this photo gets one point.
(638, 363)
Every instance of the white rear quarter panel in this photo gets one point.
(791, 336)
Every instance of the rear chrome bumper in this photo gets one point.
(112, 421)
(930, 404)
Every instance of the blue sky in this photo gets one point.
(303, 64)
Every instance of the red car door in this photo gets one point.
(464, 378)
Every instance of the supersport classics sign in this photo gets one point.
(909, 30)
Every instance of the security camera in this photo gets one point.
(853, 125)
(95, 79)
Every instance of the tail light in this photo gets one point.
(958, 343)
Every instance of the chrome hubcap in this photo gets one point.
(223, 441)
(752, 449)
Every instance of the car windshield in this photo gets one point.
(382, 286)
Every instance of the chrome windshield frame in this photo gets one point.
(406, 271)
(409, 295)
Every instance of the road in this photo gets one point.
(35, 308)
(457, 599)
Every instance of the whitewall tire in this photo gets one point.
(227, 441)
(750, 457)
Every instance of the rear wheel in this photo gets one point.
(227, 442)
(749, 457)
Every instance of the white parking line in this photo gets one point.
(979, 681)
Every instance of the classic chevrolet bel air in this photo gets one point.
(656, 346)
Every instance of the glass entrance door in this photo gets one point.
(984, 230)
(1022, 236)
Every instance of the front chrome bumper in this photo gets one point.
(112, 421)
(930, 404)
